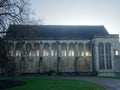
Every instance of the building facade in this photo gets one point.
(64, 49)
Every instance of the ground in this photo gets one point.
(4, 84)
(109, 84)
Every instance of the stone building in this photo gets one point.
(64, 49)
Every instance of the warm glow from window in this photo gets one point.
(37, 53)
(30, 53)
(11, 53)
(18, 53)
(64, 53)
(116, 52)
(82, 54)
(71, 53)
(53, 53)
(87, 53)
(45, 53)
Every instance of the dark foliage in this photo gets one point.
(4, 84)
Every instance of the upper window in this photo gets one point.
(46, 49)
(81, 49)
(29, 49)
(11, 52)
(64, 49)
(54, 49)
(71, 49)
(18, 49)
(88, 50)
(37, 49)
(116, 52)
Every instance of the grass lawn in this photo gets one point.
(56, 84)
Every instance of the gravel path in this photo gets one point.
(109, 84)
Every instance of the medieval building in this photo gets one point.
(64, 49)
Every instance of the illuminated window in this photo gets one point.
(88, 50)
(54, 49)
(81, 50)
(37, 53)
(46, 49)
(64, 49)
(116, 53)
(18, 53)
(71, 49)
(82, 53)
(86, 53)
(18, 49)
(29, 49)
(11, 52)
(36, 47)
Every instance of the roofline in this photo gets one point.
(52, 25)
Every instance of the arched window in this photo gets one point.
(64, 49)
(81, 49)
(54, 49)
(108, 56)
(29, 49)
(71, 49)
(37, 48)
(11, 52)
(101, 56)
(46, 51)
(18, 49)
(88, 50)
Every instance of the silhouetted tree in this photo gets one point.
(15, 12)
(12, 12)
(3, 57)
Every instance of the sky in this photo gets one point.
(79, 12)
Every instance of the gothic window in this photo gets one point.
(88, 50)
(29, 49)
(64, 49)
(37, 48)
(81, 49)
(71, 50)
(108, 56)
(46, 49)
(11, 52)
(101, 56)
(18, 49)
(54, 49)
(116, 52)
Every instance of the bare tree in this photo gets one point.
(14, 12)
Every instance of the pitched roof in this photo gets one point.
(55, 32)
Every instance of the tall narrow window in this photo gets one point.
(71, 49)
(116, 52)
(37, 48)
(81, 49)
(11, 52)
(29, 49)
(54, 49)
(46, 51)
(18, 49)
(101, 56)
(64, 49)
(108, 56)
(88, 50)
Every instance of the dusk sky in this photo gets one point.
(79, 12)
